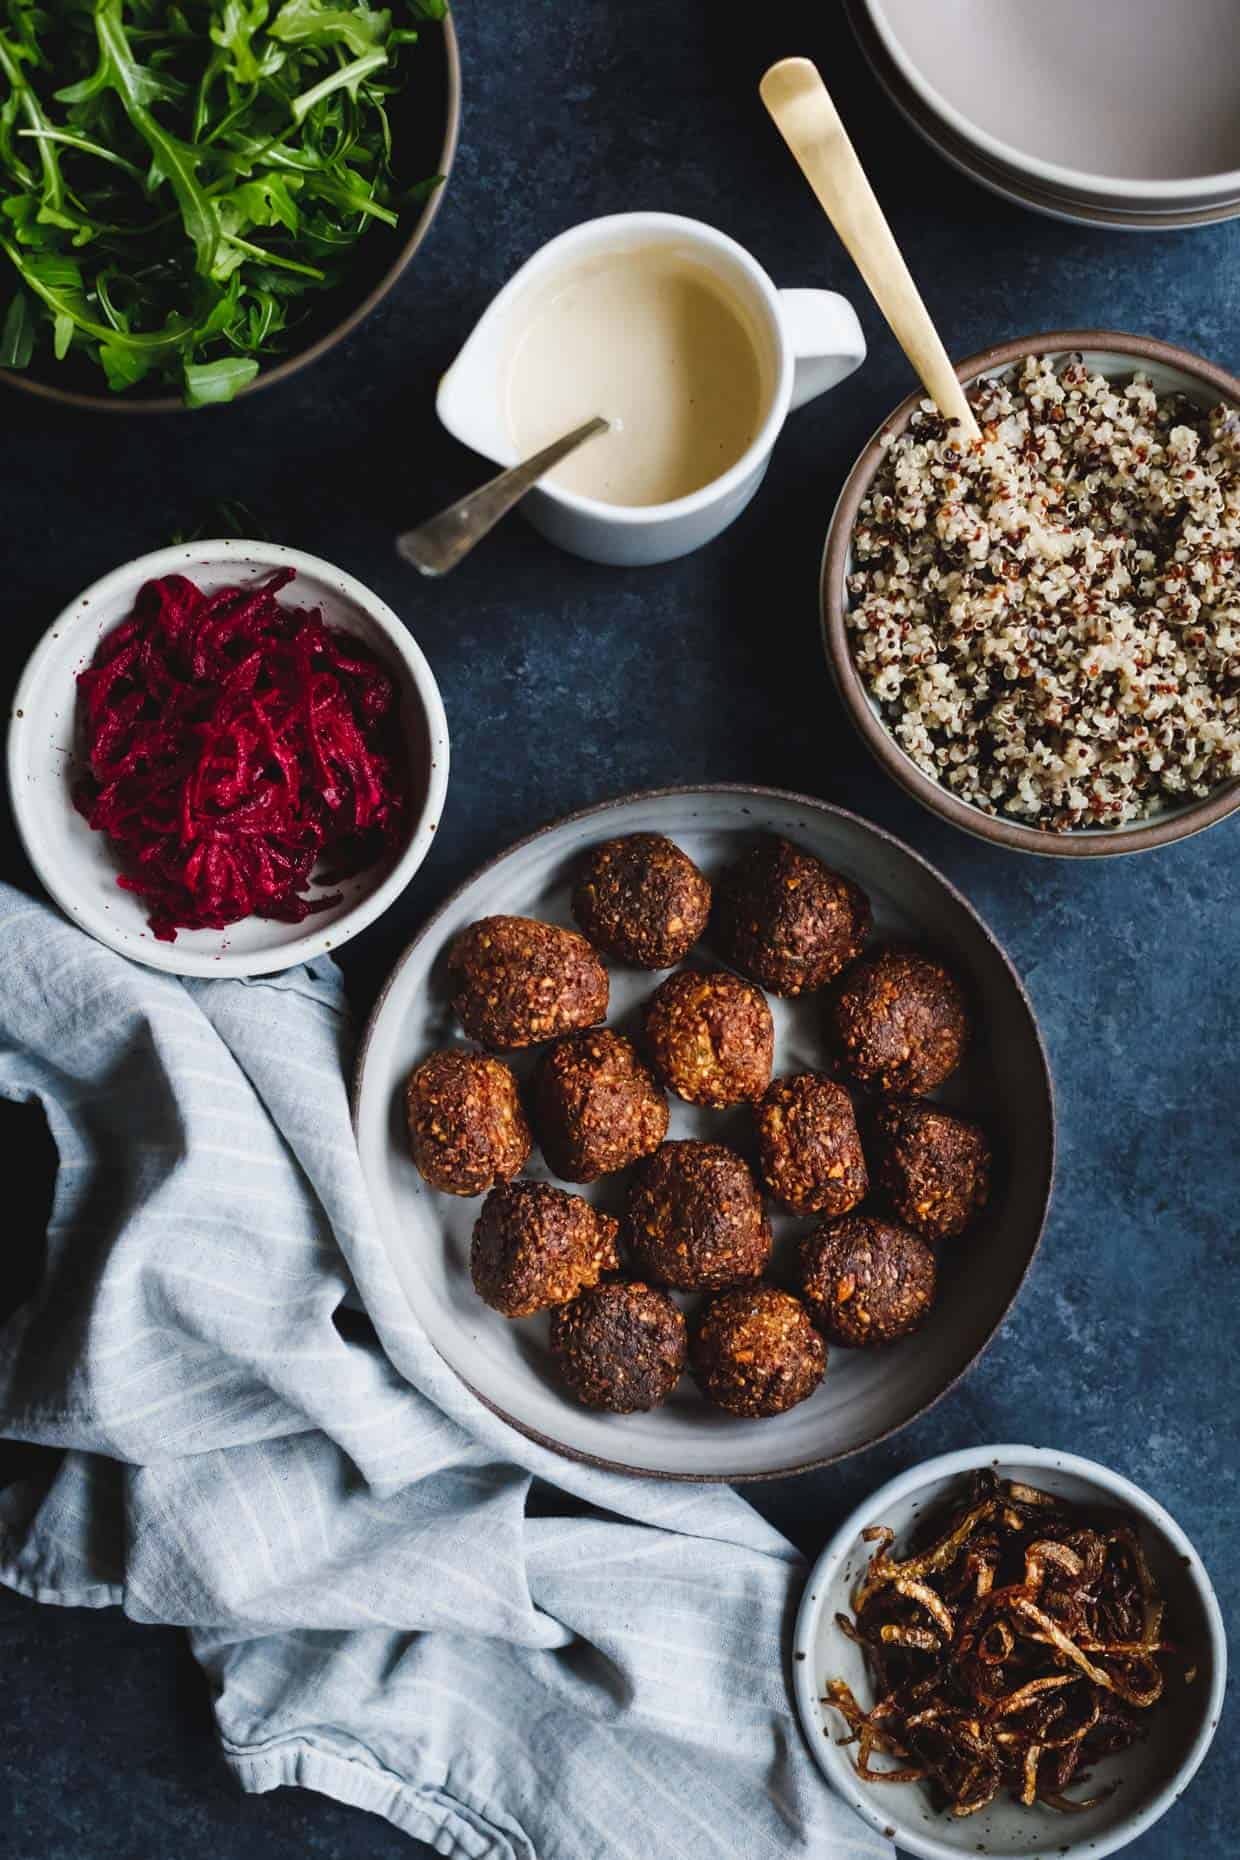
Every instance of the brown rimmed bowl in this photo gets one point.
(1170, 369)
(428, 148)
(865, 1395)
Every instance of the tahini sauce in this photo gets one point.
(651, 340)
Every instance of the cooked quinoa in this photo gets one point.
(1050, 621)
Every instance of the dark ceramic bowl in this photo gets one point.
(428, 148)
(1171, 369)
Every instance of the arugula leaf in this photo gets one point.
(181, 179)
(87, 148)
(58, 282)
(217, 381)
(360, 28)
(123, 366)
(23, 94)
(17, 333)
(265, 202)
(347, 77)
(176, 159)
(234, 33)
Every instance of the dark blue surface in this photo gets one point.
(566, 683)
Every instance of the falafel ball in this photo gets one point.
(934, 1167)
(786, 919)
(516, 981)
(536, 1245)
(865, 1281)
(899, 1023)
(642, 900)
(620, 1346)
(755, 1352)
(695, 1218)
(596, 1106)
(711, 1037)
(467, 1130)
(808, 1145)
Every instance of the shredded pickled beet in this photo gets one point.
(234, 743)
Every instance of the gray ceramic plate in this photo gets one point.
(1147, 1778)
(864, 1395)
(1143, 115)
(1011, 184)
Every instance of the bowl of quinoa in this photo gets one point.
(1039, 636)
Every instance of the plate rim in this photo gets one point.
(1054, 175)
(765, 793)
(1016, 186)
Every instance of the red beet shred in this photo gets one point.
(233, 743)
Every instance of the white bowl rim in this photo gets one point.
(830, 1758)
(173, 958)
(1196, 189)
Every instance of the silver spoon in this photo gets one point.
(439, 544)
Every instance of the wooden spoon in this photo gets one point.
(798, 100)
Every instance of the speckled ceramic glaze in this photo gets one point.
(1118, 357)
(866, 1394)
(1150, 1776)
(78, 866)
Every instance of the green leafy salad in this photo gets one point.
(182, 180)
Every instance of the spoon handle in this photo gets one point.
(799, 102)
(439, 544)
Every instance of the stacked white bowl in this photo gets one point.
(1121, 115)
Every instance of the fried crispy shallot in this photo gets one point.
(1016, 1646)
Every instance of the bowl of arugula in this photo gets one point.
(198, 197)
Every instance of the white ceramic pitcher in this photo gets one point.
(815, 342)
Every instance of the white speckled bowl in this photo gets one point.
(1151, 1776)
(78, 866)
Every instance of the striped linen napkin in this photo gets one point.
(262, 1445)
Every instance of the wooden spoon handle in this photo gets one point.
(799, 102)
